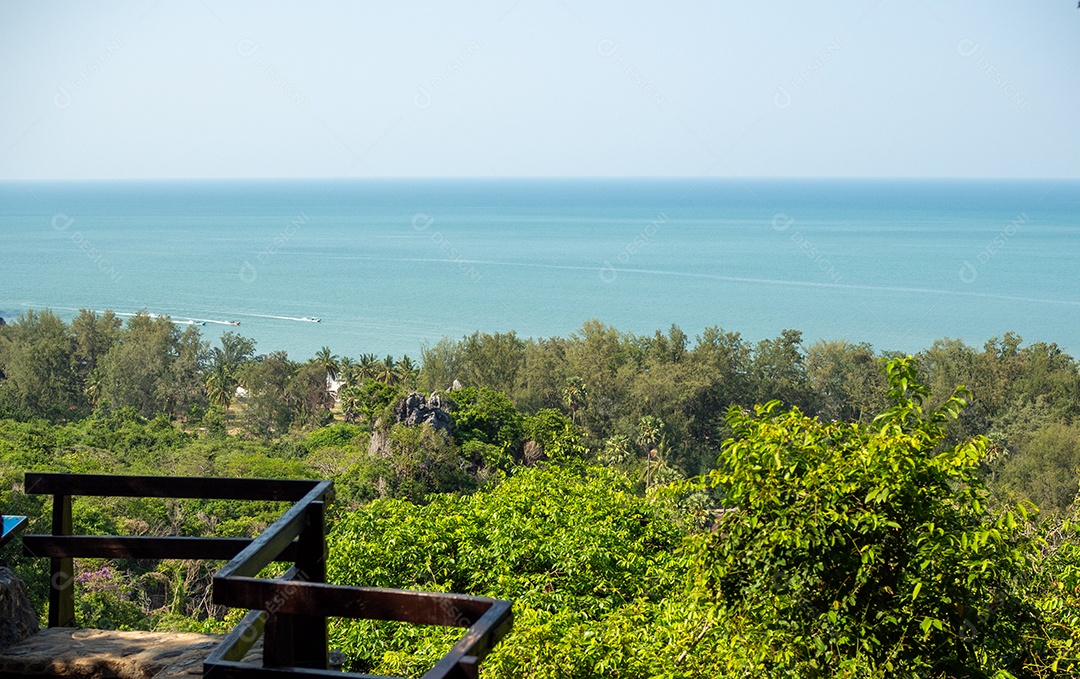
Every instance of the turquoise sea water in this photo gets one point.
(391, 265)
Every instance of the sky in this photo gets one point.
(497, 88)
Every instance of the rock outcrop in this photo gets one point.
(17, 617)
(379, 446)
(414, 409)
(532, 453)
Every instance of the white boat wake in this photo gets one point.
(191, 320)
(179, 320)
(305, 319)
(210, 320)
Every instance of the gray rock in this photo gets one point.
(414, 409)
(533, 453)
(379, 446)
(17, 617)
(337, 660)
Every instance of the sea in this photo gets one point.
(389, 267)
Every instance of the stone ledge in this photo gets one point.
(104, 654)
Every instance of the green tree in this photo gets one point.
(348, 368)
(864, 550)
(307, 396)
(715, 376)
(442, 364)
(487, 417)
(778, 371)
(92, 388)
(616, 451)
(424, 460)
(584, 560)
(266, 380)
(183, 387)
(326, 360)
(235, 350)
(559, 439)
(93, 336)
(575, 396)
(225, 364)
(601, 358)
(220, 387)
(36, 367)
(373, 399)
(386, 371)
(670, 348)
(351, 401)
(542, 375)
(140, 371)
(1045, 470)
(728, 359)
(1049, 372)
(1053, 584)
(650, 433)
(405, 373)
(493, 361)
(368, 367)
(846, 379)
(949, 362)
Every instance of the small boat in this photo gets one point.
(234, 322)
(311, 319)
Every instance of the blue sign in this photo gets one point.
(12, 526)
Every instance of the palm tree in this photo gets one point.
(406, 371)
(650, 433)
(93, 387)
(351, 402)
(650, 429)
(386, 371)
(575, 396)
(347, 370)
(368, 367)
(328, 362)
(221, 387)
(616, 449)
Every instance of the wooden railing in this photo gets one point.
(289, 612)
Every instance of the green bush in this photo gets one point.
(866, 550)
(570, 547)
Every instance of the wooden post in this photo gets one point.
(469, 666)
(62, 570)
(309, 631)
(279, 640)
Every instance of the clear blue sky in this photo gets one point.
(149, 89)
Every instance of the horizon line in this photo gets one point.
(543, 178)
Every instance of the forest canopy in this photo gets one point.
(653, 505)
